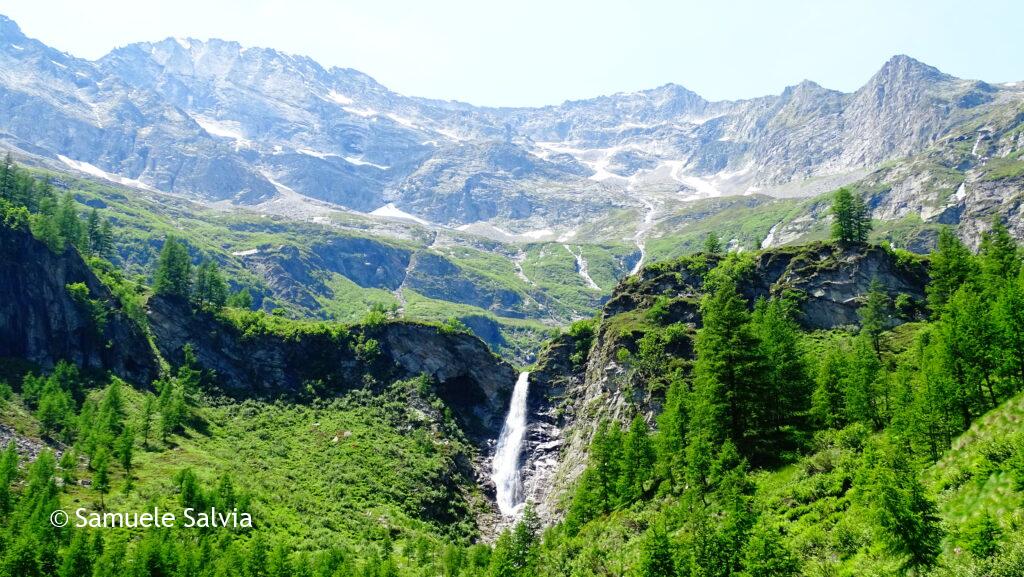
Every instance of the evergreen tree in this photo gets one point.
(209, 288)
(785, 381)
(851, 221)
(1008, 320)
(766, 555)
(8, 176)
(125, 449)
(79, 558)
(174, 270)
(45, 226)
(68, 467)
(68, 221)
(104, 243)
(905, 519)
(968, 340)
(55, 412)
(8, 472)
(981, 535)
(514, 552)
(189, 491)
(148, 408)
(672, 424)
(93, 229)
(998, 256)
(712, 244)
(863, 368)
(876, 312)
(656, 555)
(637, 465)
(241, 299)
(172, 409)
(728, 376)
(828, 404)
(951, 265)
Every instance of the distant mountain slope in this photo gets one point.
(219, 121)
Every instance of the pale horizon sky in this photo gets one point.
(533, 53)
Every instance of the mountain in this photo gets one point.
(218, 121)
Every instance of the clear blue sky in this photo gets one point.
(534, 52)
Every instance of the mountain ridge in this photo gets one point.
(265, 122)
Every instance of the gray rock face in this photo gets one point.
(471, 379)
(42, 323)
(219, 121)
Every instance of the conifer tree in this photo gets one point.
(905, 519)
(656, 554)
(1008, 319)
(765, 554)
(93, 231)
(876, 312)
(712, 244)
(998, 255)
(45, 226)
(68, 221)
(728, 373)
(860, 397)
(952, 264)
(785, 382)
(828, 405)
(851, 221)
(174, 270)
(637, 463)
(104, 244)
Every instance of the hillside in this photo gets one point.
(860, 452)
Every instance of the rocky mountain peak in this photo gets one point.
(9, 30)
(902, 73)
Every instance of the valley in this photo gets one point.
(643, 334)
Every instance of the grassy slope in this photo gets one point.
(344, 472)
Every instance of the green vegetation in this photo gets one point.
(1004, 167)
(781, 452)
(851, 219)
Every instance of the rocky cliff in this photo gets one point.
(249, 359)
(43, 322)
(570, 397)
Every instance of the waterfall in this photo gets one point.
(505, 469)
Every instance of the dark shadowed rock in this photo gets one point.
(42, 323)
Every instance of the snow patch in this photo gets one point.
(360, 162)
(249, 252)
(308, 152)
(100, 173)
(364, 112)
(341, 99)
(224, 129)
(536, 234)
(389, 210)
(402, 120)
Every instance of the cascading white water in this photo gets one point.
(505, 468)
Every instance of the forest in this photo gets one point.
(888, 448)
